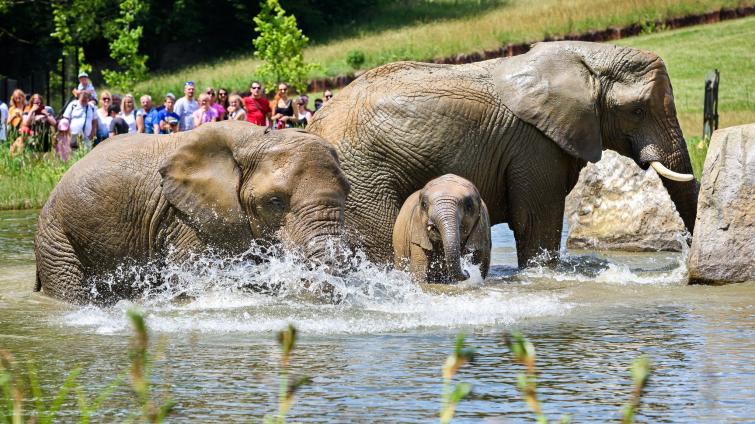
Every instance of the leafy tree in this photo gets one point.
(124, 47)
(279, 45)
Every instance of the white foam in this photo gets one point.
(212, 294)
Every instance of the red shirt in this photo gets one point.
(256, 110)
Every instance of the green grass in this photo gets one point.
(434, 32)
(26, 180)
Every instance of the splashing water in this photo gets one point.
(211, 293)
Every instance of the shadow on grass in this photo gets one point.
(387, 15)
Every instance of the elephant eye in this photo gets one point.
(424, 204)
(638, 111)
(276, 204)
(468, 204)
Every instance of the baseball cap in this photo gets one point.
(83, 74)
(171, 95)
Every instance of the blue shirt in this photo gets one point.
(163, 115)
(150, 119)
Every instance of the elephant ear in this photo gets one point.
(552, 88)
(478, 242)
(417, 229)
(201, 180)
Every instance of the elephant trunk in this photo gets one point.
(319, 237)
(448, 227)
(673, 164)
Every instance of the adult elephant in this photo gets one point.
(146, 198)
(519, 128)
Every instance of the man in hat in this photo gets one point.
(85, 85)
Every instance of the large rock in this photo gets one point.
(723, 247)
(618, 206)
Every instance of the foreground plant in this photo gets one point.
(454, 362)
(640, 371)
(151, 411)
(288, 385)
(14, 389)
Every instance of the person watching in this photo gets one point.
(128, 112)
(327, 95)
(38, 123)
(3, 121)
(83, 120)
(118, 125)
(16, 110)
(219, 109)
(186, 106)
(103, 117)
(235, 111)
(205, 113)
(284, 108)
(85, 85)
(303, 116)
(318, 104)
(168, 120)
(146, 116)
(224, 100)
(257, 107)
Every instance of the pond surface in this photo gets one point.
(376, 356)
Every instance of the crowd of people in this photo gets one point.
(88, 119)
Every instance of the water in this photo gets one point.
(375, 355)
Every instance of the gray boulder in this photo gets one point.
(723, 247)
(618, 206)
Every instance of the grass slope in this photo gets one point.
(498, 22)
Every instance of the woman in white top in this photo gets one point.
(103, 117)
(128, 112)
(303, 116)
(236, 108)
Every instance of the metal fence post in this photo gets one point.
(710, 106)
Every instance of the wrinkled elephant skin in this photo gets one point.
(150, 198)
(438, 225)
(519, 128)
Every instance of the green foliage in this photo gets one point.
(27, 179)
(279, 45)
(698, 150)
(355, 58)
(75, 23)
(124, 47)
(451, 397)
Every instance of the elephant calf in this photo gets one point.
(437, 225)
(146, 198)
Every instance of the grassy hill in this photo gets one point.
(434, 33)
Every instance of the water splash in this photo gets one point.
(212, 293)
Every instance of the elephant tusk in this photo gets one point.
(671, 175)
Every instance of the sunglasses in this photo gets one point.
(222, 93)
(189, 83)
(283, 89)
(210, 92)
(256, 88)
(106, 99)
(328, 97)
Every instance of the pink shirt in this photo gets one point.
(208, 116)
(219, 109)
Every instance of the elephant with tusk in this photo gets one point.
(437, 226)
(519, 128)
(150, 198)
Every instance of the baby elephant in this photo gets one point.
(439, 224)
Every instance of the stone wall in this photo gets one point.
(723, 247)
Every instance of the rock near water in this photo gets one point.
(723, 247)
(618, 206)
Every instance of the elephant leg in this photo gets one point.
(536, 191)
(60, 273)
